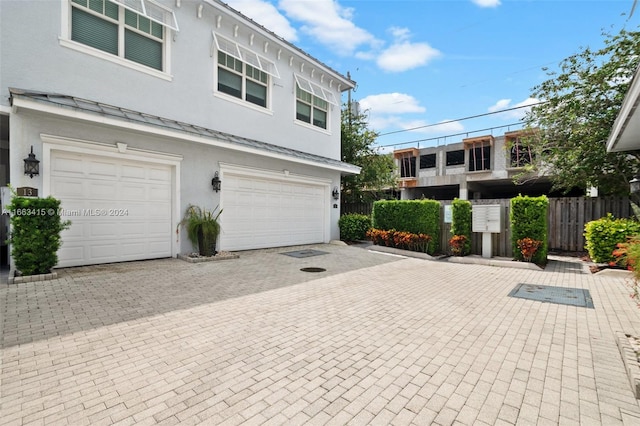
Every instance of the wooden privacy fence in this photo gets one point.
(567, 217)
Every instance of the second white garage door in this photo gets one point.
(120, 209)
(261, 212)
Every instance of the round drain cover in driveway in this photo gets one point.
(312, 269)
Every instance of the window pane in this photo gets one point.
(455, 158)
(256, 93)
(131, 18)
(428, 161)
(143, 50)
(408, 167)
(156, 30)
(94, 31)
(229, 83)
(302, 95)
(319, 118)
(111, 10)
(97, 6)
(320, 103)
(303, 112)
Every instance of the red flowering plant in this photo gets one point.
(627, 255)
(456, 243)
(399, 239)
(528, 247)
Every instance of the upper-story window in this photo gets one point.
(408, 167)
(455, 158)
(312, 102)
(479, 156)
(521, 152)
(242, 73)
(241, 80)
(428, 161)
(136, 31)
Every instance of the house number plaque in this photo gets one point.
(25, 191)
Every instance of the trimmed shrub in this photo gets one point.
(354, 226)
(35, 234)
(414, 216)
(461, 225)
(603, 235)
(400, 239)
(529, 220)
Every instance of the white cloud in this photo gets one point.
(391, 103)
(403, 55)
(389, 110)
(516, 114)
(487, 3)
(329, 23)
(266, 14)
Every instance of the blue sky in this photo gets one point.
(422, 62)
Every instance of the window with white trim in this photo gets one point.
(242, 73)
(135, 30)
(312, 102)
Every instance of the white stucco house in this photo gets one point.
(625, 134)
(133, 106)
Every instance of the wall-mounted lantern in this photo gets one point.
(335, 193)
(216, 182)
(31, 165)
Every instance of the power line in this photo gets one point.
(451, 135)
(460, 119)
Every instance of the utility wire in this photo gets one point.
(460, 119)
(447, 136)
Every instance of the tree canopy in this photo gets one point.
(579, 104)
(358, 148)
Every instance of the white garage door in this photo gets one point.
(120, 210)
(262, 212)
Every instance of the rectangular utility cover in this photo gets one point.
(487, 218)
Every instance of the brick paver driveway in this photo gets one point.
(375, 339)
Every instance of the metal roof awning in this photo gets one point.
(88, 110)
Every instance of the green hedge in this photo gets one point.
(529, 220)
(354, 226)
(35, 234)
(415, 216)
(602, 236)
(461, 224)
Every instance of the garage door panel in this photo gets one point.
(101, 190)
(159, 174)
(117, 211)
(267, 212)
(132, 192)
(159, 193)
(67, 166)
(104, 251)
(131, 172)
(102, 229)
(67, 188)
(101, 170)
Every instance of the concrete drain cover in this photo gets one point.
(312, 269)
(560, 295)
(304, 253)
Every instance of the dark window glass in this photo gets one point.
(479, 158)
(428, 161)
(408, 167)
(455, 158)
(520, 155)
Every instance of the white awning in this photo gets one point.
(243, 54)
(151, 10)
(315, 90)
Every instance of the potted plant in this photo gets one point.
(203, 228)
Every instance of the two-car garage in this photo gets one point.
(123, 204)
